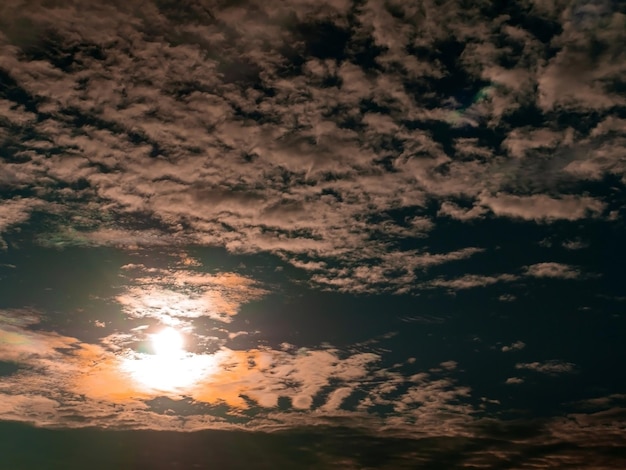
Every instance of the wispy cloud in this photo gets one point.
(550, 270)
(470, 281)
(551, 367)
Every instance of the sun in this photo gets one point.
(168, 343)
(171, 368)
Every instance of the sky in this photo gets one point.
(312, 234)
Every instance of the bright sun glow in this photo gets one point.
(168, 343)
(170, 368)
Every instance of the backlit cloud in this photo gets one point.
(63, 378)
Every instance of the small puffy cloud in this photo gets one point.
(574, 244)
(553, 270)
(516, 346)
(449, 365)
(514, 381)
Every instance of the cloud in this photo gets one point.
(602, 402)
(454, 211)
(112, 382)
(552, 367)
(553, 270)
(521, 141)
(516, 346)
(574, 244)
(342, 139)
(581, 439)
(470, 281)
(393, 271)
(175, 295)
(15, 211)
(449, 365)
(543, 208)
(587, 61)
(236, 129)
(550, 270)
(18, 344)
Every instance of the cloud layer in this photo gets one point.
(404, 219)
(331, 134)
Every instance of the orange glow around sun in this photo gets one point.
(171, 368)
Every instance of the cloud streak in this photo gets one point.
(552, 367)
